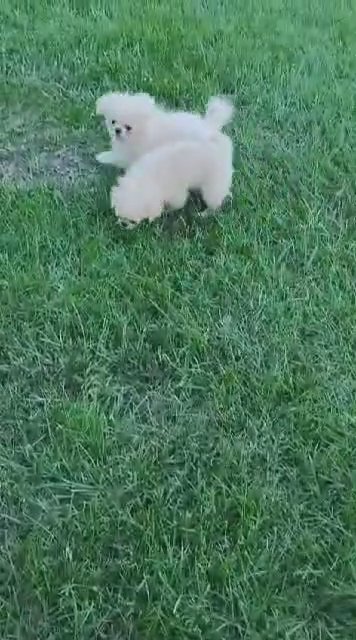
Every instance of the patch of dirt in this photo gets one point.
(20, 167)
(36, 148)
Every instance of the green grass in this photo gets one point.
(177, 403)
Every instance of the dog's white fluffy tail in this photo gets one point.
(219, 112)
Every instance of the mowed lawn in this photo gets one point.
(177, 402)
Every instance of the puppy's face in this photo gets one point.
(119, 130)
(126, 115)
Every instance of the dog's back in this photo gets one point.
(164, 176)
(187, 165)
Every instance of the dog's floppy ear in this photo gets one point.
(110, 101)
(149, 100)
(104, 103)
(146, 101)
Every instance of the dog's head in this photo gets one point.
(136, 199)
(126, 115)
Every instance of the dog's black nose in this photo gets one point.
(118, 131)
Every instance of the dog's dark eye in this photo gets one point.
(113, 122)
(128, 127)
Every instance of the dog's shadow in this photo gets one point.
(185, 223)
(190, 220)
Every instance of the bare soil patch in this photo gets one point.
(65, 165)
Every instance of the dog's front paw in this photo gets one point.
(105, 157)
(126, 224)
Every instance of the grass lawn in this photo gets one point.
(178, 402)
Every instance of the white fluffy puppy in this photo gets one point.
(136, 125)
(164, 176)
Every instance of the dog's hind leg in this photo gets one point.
(178, 201)
(214, 195)
(215, 190)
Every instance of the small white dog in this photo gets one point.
(136, 125)
(164, 176)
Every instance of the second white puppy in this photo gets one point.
(164, 176)
(137, 125)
